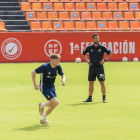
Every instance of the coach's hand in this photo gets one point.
(102, 62)
(36, 87)
(89, 62)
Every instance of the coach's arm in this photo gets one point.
(103, 61)
(108, 56)
(84, 56)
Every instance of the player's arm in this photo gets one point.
(33, 74)
(63, 78)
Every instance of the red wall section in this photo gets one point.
(36, 47)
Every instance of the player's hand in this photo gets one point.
(63, 83)
(102, 62)
(36, 87)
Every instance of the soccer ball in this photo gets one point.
(135, 59)
(124, 59)
(78, 60)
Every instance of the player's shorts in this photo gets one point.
(96, 72)
(49, 93)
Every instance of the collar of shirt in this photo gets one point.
(97, 46)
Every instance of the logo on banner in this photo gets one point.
(53, 46)
(11, 48)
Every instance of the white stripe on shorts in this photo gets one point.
(41, 82)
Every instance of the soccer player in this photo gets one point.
(96, 53)
(48, 73)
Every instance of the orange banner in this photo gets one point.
(36, 47)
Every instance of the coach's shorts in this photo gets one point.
(49, 93)
(93, 72)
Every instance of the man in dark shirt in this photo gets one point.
(96, 53)
(48, 73)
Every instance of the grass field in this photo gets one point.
(119, 119)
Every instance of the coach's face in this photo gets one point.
(56, 62)
(96, 39)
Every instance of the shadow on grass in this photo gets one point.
(84, 103)
(34, 127)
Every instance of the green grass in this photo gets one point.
(72, 119)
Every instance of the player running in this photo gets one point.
(96, 69)
(48, 73)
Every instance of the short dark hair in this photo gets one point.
(94, 35)
(54, 56)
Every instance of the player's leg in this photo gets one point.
(49, 110)
(91, 79)
(47, 104)
(50, 103)
(55, 102)
(42, 105)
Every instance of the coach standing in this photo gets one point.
(96, 53)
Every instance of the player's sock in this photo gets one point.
(103, 97)
(44, 117)
(90, 97)
(43, 105)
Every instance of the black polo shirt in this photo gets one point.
(96, 54)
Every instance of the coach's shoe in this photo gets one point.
(104, 101)
(88, 100)
(44, 121)
(41, 110)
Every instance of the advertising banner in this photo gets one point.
(36, 47)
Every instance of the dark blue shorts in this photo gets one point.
(49, 93)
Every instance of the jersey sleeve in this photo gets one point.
(40, 69)
(106, 50)
(85, 51)
(60, 72)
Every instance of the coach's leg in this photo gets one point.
(91, 87)
(103, 89)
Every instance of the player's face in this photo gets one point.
(56, 62)
(96, 39)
